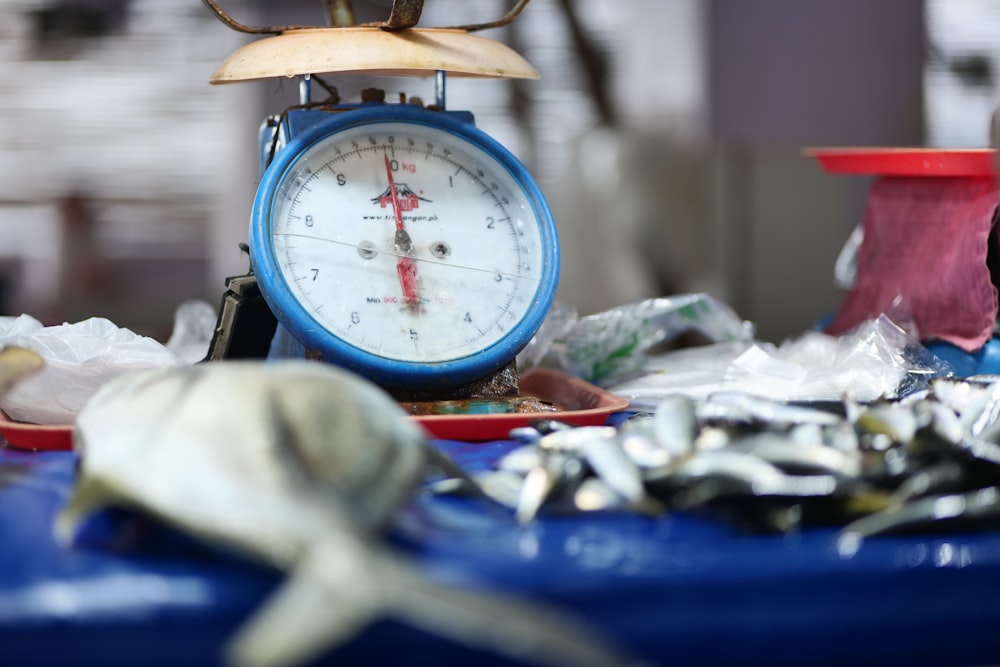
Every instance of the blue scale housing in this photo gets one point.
(298, 334)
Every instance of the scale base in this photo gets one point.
(501, 383)
(246, 326)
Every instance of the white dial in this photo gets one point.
(409, 242)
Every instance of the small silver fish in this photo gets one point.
(601, 448)
(808, 434)
(841, 437)
(675, 425)
(791, 456)
(503, 486)
(981, 505)
(896, 422)
(536, 489)
(595, 495)
(572, 440)
(742, 407)
(738, 473)
(522, 459)
(959, 395)
(984, 412)
(643, 449)
(607, 459)
(558, 471)
(936, 479)
(939, 421)
(711, 437)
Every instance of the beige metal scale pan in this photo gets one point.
(411, 52)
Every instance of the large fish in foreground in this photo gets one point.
(297, 464)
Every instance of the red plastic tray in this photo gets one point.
(579, 402)
(906, 161)
(35, 436)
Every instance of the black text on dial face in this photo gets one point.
(407, 242)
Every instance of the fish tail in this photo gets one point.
(517, 628)
(314, 611)
(331, 597)
(88, 496)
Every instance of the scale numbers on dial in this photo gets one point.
(407, 241)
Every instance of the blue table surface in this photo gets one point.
(674, 590)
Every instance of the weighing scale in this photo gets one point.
(394, 239)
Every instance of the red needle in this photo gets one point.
(406, 267)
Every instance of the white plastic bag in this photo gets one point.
(79, 359)
(875, 360)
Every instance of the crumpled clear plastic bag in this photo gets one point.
(79, 358)
(194, 326)
(875, 360)
(614, 345)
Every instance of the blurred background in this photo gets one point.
(667, 135)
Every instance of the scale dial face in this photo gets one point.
(405, 245)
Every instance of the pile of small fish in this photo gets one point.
(928, 461)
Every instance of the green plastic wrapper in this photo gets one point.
(612, 346)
